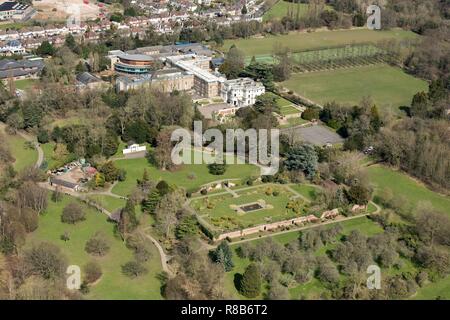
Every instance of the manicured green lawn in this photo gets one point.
(24, 156)
(24, 83)
(111, 204)
(310, 290)
(325, 55)
(432, 291)
(288, 110)
(190, 176)
(388, 86)
(286, 107)
(280, 101)
(301, 41)
(401, 184)
(308, 191)
(113, 284)
(222, 215)
(363, 224)
(48, 154)
(292, 122)
(48, 149)
(119, 153)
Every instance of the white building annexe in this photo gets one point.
(241, 92)
(134, 148)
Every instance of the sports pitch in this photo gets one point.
(389, 87)
(303, 41)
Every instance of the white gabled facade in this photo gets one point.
(241, 92)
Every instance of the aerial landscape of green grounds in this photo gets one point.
(389, 87)
(301, 41)
(313, 288)
(23, 154)
(124, 174)
(113, 284)
(405, 186)
(220, 210)
(189, 176)
(281, 8)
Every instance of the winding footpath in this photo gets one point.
(37, 146)
(164, 257)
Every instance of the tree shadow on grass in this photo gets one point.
(406, 110)
(237, 281)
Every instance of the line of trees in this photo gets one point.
(281, 267)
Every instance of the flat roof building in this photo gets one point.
(134, 64)
(12, 10)
(90, 81)
(165, 80)
(20, 69)
(206, 83)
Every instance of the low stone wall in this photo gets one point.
(267, 227)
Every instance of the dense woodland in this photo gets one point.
(417, 141)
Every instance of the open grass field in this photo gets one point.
(48, 149)
(436, 290)
(280, 101)
(220, 212)
(281, 9)
(302, 41)
(389, 87)
(293, 122)
(310, 60)
(191, 177)
(111, 204)
(113, 284)
(308, 191)
(288, 110)
(24, 83)
(48, 154)
(24, 156)
(286, 107)
(403, 185)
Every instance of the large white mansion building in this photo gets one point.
(241, 92)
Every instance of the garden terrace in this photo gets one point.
(189, 176)
(267, 203)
